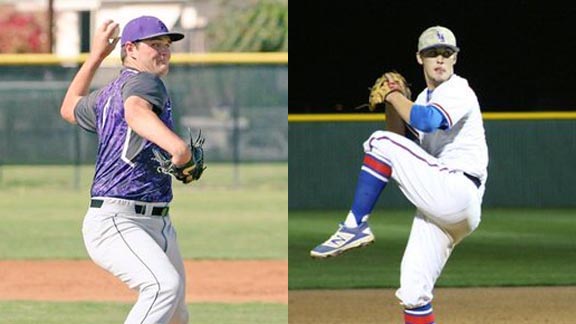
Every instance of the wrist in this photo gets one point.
(94, 60)
(392, 96)
(182, 159)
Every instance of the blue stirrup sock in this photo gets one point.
(421, 315)
(373, 178)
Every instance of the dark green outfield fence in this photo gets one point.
(239, 100)
(532, 160)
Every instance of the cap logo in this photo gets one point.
(161, 26)
(440, 37)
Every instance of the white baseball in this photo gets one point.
(115, 35)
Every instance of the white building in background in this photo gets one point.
(181, 16)
(187, 17)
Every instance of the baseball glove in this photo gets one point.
(190, 171)
(385, 85)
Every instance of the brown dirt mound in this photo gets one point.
(208, 281)
(522, 305)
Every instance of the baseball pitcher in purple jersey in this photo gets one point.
(127, 229)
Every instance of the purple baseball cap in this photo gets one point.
(146, 27)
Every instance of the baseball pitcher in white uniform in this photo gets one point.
(440, 165)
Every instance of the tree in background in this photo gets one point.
(22, 32)
(255, 26)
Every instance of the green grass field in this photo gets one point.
(215, 218)
(512, 247)
(114, 313)
(233, 213)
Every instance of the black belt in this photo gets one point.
(139, 209)
(472, 178)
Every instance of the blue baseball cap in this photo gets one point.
(146, 27)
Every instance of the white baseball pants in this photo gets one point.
(142, 251)
(448, 209)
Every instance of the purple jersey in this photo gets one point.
(124, 165)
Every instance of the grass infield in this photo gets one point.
(512, 247)
(24, 312)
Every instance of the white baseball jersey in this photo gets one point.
(463, 145)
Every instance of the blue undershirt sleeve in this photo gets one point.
(427, 118)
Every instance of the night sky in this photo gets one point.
(517, 55)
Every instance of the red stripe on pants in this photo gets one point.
(378, 166)
(413, 319)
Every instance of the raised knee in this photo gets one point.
(380, 134)
(380, 138)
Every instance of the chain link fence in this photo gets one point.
(241, 109)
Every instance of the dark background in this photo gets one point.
(516, 55)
